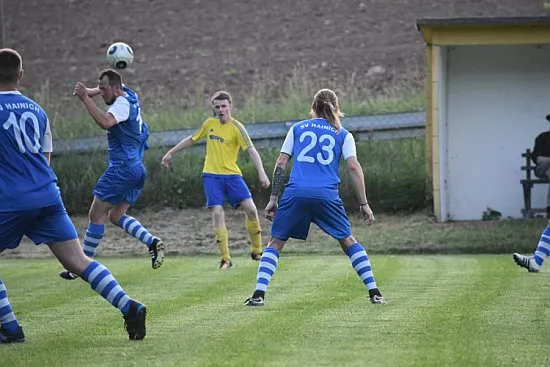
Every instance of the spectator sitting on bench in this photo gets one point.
(541, 158)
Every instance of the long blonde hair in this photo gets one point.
(325, 105)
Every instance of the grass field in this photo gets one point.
(442, 310)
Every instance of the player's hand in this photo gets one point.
(166, 160)
(367, 214)
(264, 180)
(271, 210)
(81, 91)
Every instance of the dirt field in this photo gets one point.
(182, 46)
(185, 232)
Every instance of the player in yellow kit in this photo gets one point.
(222, 178)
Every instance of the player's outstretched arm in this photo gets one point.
(183, 144)
(257, 161)
(277, 187)
(358, 183)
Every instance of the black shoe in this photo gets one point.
(225, 264)
(256, 257)
(254, 301)
(527, 262)
(257, 299)
(65, 274)
(376, 297)
(134, 322)
(156, 250)
(11, 337)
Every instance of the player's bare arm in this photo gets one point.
(183, 144)
(92, 92)
(257, 161)
(103, 119)
(278, 183)
(358, 183)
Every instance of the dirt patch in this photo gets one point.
(185, 232)
(182, 46)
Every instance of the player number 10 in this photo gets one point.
(20, 131)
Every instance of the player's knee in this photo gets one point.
(251, 213)
(276, 243)
(347, 242)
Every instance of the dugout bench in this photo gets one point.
(527, 183)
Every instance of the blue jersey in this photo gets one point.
(316, 147)
(26, 180)
(127, 140)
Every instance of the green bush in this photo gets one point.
(394, 174)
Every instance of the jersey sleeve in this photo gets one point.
(348, 148)
(47, 141)
(288, 144)
(201, 133)
(243, 138)
(120, 109)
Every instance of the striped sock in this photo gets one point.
(266, 269)
(7, 317)
(134, 228)
(92, 238)
(543, 248)
(102, 281)
(360, 262)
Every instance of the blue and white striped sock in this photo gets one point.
(266, 268)
(92, 238)
(360, 262)
(134, 228)
(543, 248)
(7, 317)
(102, 281)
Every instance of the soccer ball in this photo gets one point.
(120, 55)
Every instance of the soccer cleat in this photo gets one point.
(254, 301)
(527, 262)
(376, 297)
(377, 300)
(11, 337)
(256, 257)
(225, 264)
(65, 274)
(134, 321)
(156, 250)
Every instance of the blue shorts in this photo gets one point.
(219, 188)
(295, 214)
(121, 183)
(47, 225)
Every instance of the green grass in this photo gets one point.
(289, 100)
(442, 310)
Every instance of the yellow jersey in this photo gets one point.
(223, 142)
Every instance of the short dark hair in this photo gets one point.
(114, 77)
(220, 96)
(10, 65)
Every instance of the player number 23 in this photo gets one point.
(20, 131)
(327, 147)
